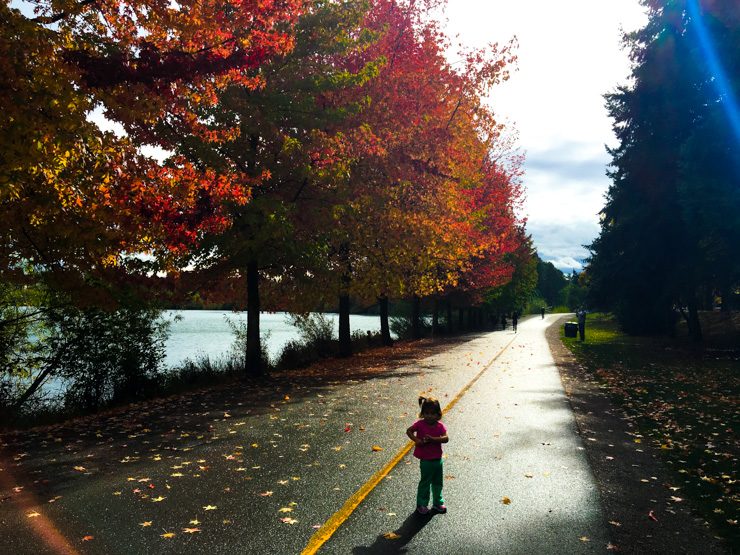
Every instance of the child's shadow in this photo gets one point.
(410, 527)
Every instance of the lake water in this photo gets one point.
(197, 333)
(194, 334)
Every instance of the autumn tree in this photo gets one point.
(80, 202)
(283, 139)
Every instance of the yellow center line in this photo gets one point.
(322, 535)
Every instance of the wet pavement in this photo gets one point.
(246, 469)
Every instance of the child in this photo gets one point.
(429, 434)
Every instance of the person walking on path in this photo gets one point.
(581, 314)
(514, 320)
(428, 433)
(542, 311)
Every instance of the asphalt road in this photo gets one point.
(259, 470)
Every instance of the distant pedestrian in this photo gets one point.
(542, 311)
(581, 315)
(514, 320)
(503, 321)
(428, 433)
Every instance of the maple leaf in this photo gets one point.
(158, 499)
(584, 539)
(167, 535)
(145, 524)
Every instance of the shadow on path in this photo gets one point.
(410, 527)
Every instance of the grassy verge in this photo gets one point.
(683, 400)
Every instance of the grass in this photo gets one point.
(683, 399)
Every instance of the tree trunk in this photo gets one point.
(693, 320)
(385, 330)
(345, 335)
(435, 318)
(449, 317)
(415, 317)
(253, 356)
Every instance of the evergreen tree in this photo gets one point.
(674, 191)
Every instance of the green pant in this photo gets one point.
(431, 475)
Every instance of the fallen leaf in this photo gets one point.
(33, 514)
(288, 520)
(158, 499)
(615, 523)
(584, 539)
(210, 508)
(80, 469)
(191, 530)
(377, 448)
(265, 494)
(285, 510)
(167, 535)
(652, 516)
(87, 538)
(391, 536)
(145, 524)
(194, 522)
(506, 501)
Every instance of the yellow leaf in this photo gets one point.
(167, 535)
(377, 448)
(33, 514)
(210, 508)
(145, 524)
(391, 536)
(285, 510)
(506, 501)
(191, 530)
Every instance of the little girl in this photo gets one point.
(429, 434)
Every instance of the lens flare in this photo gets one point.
(721, 83)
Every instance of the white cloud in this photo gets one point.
(570, 54)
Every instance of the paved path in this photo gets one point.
(250, 470)
(512, 435)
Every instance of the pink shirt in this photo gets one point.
(428, 451)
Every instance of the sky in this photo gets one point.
(570, 54)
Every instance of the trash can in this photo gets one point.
(571, 329)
